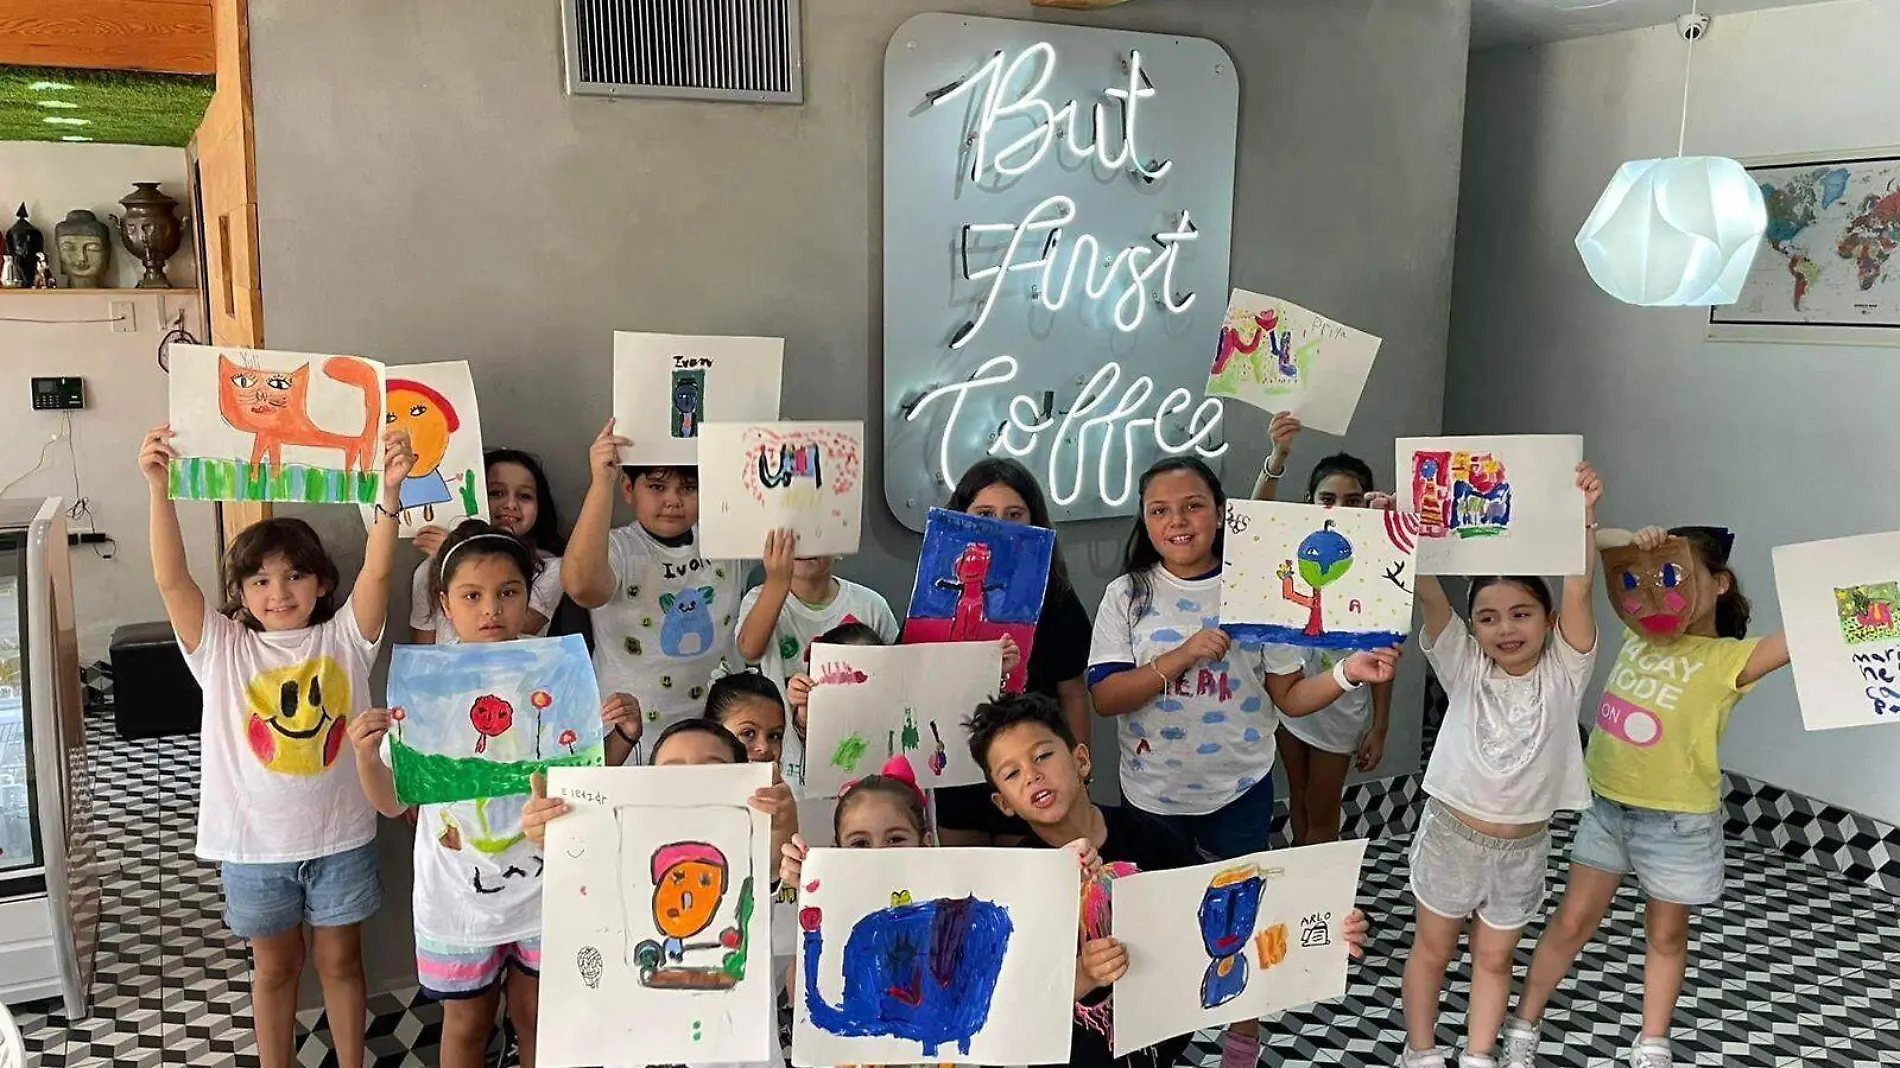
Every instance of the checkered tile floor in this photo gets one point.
(1797, 967)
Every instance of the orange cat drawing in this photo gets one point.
(274, 406)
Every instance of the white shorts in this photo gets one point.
(1459, 871)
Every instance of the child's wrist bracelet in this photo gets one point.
(1339, 676)
(1155, 666)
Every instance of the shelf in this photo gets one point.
(120, 292)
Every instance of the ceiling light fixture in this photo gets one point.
(1675, 232)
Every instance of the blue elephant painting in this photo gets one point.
(688, 627)
(924, 972)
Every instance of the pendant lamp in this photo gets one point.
(1675, 232)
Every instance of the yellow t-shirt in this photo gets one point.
(1660, 724)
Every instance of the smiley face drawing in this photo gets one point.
(298, 716)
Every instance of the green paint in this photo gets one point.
(204, 478)
(488, 842)
(849, 752)
(734, 963)
(470, 506)
(911, 741)
(431, 778)
(115, 107)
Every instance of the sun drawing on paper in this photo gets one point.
(1869, 613)
(1461, 494)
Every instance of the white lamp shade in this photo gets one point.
(1674, 232)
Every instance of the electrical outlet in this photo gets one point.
(124, 319)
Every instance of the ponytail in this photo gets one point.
(1711, 546)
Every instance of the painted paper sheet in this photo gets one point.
(475, 721)
(666, 386)
(655, 939)
(1840, 605)
(935, 956)
(1323, 578)
(1493, 505)
(435, 403)
(759, 477)
(1232, 940)
(979, 579)
(255, 425)
(870, 703)
(1278, 356)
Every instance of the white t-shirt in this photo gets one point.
(668, 626)
(278, 778)
(789, 651)
(1509, 751)
(1338, 727)
(544, 595)
(1209, 739)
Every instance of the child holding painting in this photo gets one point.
(1318, 750)
(1039, 772)
(1507, 759)
(283, 667)
(477, 912)
(520, 502)
(1657, 812)
(663, 615)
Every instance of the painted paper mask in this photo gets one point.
(1655, 593)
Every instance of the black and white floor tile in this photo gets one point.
(1800, 965)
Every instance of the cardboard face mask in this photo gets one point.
(1654, 592)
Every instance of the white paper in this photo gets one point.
(1529, 522)
(758, 477)
(1840, 607)
(667, 385)
(446, 431)
(871, 703)
(1280, 357)
(866, 901)
(599, 907)
(1320, 578)
(315, 421)
(1303, 898)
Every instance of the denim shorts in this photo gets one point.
(1458, 870)
(1675, 856)
(1238, 828)
(333, 891)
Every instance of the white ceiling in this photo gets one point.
(1495, 22)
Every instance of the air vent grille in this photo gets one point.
(743, 50)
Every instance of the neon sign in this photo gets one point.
(1074, 290)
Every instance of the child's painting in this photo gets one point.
(668, 386)
(1840, 605)
(913, 698)
(1323, 578)
(1493, 505)
(656, 940)
(435, 404)
(1278, 356)
(755, 478)
(935, 956)
(979, 579)
(254, 425)
(1231, 940)
(474, 721)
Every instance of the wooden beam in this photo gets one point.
(168, 36)
(1078, 5)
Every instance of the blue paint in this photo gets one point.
(1208, 748)
(1137, 764)
(1167, 634)
(924, 972)
(688, 627)
(1019, 561)
(1173, 763)
(1216, 716)
(1252, 634)
(1186, 605)
(1209, 622)
(437, 685)
(1228, 912)
(1174, 734)
(1135, 729)
(1167, 704)
(1251, 734)
(1246, 783)
(1252, 704)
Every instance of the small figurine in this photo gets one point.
(10, 276)
(43, 273)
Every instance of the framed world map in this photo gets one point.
(1831, 258)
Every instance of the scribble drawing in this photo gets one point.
(939, 756)
(1324, 558)
(1240, 367)
(850, 752)
(1095, 916)
(841, 674)
(589, 961)
(1461, 494)
(1869, 613)
(689, 401)
(690, 880)
(429, 419)
(925, 972)
(816, 463)
(1229, 913)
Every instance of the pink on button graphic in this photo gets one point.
(1634, 724)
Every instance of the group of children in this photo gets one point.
(697, 670)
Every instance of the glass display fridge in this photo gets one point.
(48, 890)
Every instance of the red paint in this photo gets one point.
(808, 919)
(263, 746)
(333, 742)
(492, 717)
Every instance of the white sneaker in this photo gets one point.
(1477, 1060)
(1520, 1045)
(1422, 1058)
(1652, 1053)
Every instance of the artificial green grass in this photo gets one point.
(109, 107)
(432, 779)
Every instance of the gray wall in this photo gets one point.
(428, 193)
(1782, 442)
